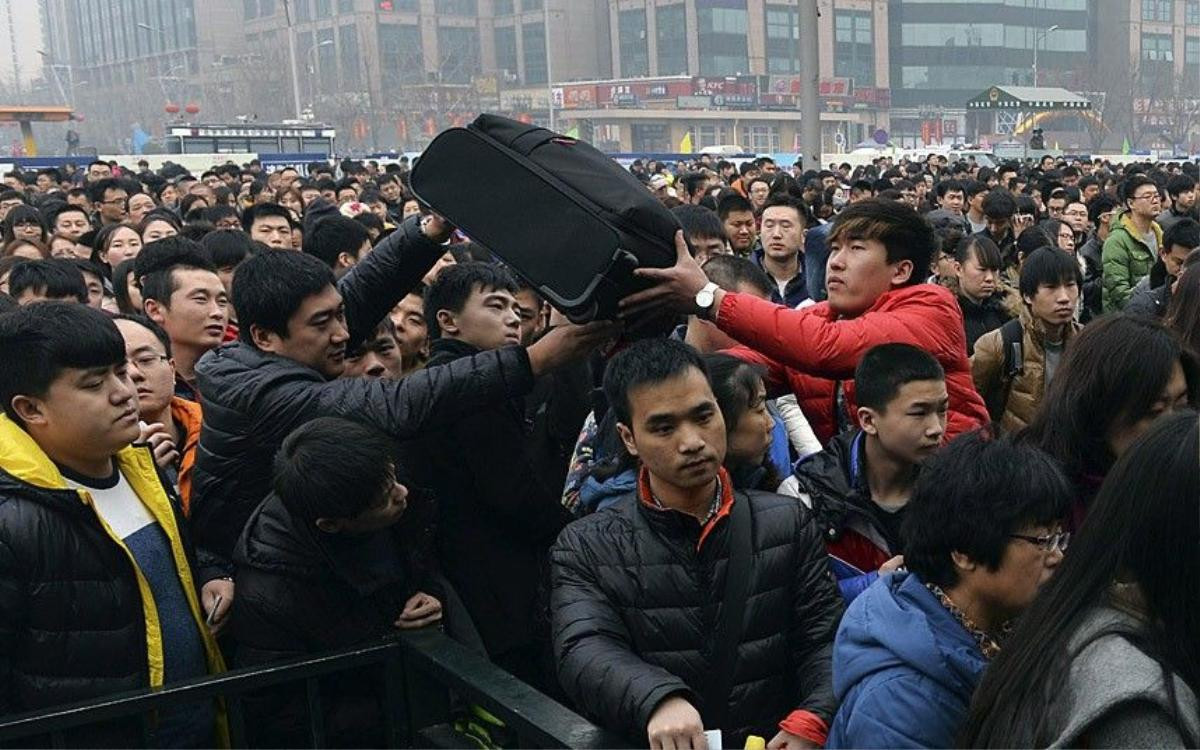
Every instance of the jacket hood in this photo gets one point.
(445, 350)
(898, 623)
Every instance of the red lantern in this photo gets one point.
(172, 108)
(192, 108)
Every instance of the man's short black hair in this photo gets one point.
(158, 281)
(731, 271)
(1049, 266)
(57, 209)
(970, 496)
(972, 188)
(53, 278)
(886, 368)
(731, 203)
(1180, 183)
(692, 182)
(228, 247)
(334, 468)
(334, 235)
(213, 214)
(1131, 184)
(646, 361)
(903, 232)
(1184, 233)
(100, 187)
(270, 287)
(455, 284)
(264, 209)
(1100, 204)
(40, 341)
(949, 186)
(783, 199)
(145, 322)
(999, 204)
(698, 221)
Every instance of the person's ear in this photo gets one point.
(31, 410)
(867, 419)
(627, 438)
(155, 310)
(346, 260)
(958, 268)
(264, 340)
(1027, 299)
(446, 322)
(902, 272)
(330, 525)
(963, 563)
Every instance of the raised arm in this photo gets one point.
(387, 273)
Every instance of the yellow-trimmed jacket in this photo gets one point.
(77, 617)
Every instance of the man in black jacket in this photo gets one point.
(333, 537)
(637, 589)
(497, 513)
(1152, 294)
(100, 590)
(295, 326)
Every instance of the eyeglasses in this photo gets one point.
(1058, 540)
(1147, 196)
(114, 201)
(146, 361)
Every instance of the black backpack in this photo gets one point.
(560, 213)
(1012, 335)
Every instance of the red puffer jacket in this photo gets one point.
(808, 350)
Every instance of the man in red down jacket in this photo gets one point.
(880, 251)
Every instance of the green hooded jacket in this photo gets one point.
(1126, 260)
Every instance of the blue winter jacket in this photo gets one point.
(903, 669)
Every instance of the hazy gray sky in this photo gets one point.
(27, 31)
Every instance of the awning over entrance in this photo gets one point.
(1028, 99)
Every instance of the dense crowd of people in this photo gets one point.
(918, 465)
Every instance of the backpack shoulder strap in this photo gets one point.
(1012, 335)
(728, 633)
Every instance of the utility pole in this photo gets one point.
(549, 68)
(810, 105)
(291, 36)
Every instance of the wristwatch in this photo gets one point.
(704, 299)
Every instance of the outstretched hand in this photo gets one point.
(436, 228)
(569, 343)
(675, 288)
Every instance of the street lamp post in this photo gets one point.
(1039, 35)
(312, 71)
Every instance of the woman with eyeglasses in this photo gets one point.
(981, 536)
(1120, 374)
(1108, 655)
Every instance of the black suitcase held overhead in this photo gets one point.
(561, 214)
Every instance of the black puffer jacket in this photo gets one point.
(634, 607)
(980, 318)
(252, 399)
(72, 625)
(497, 514)
(302, 592)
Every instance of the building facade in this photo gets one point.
(124, 63)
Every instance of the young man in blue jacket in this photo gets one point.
(981, 536)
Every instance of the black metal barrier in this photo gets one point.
(421, 670)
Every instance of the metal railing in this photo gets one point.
(421, 671)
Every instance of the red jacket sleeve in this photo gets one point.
(809, 339)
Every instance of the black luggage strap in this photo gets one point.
(733, 614)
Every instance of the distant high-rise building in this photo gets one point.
(125, 61)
